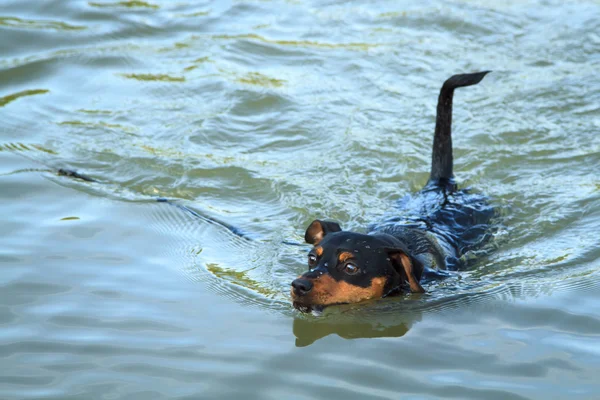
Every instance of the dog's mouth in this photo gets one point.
(307, 308)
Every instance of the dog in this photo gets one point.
(428, 231)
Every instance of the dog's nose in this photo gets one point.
(302, 286)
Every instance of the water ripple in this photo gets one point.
(254, 118)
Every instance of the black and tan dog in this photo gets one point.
(430, 230)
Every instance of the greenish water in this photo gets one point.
(266, 115)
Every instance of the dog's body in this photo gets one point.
(430, 230)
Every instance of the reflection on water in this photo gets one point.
(307, 332)
(254, 118)
(395, 316)
(12, 97)
(365, 322)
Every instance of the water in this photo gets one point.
(265, 115)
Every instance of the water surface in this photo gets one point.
(266, 115)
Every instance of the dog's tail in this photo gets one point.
(441, 158)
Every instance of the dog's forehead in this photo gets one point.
(353, 241)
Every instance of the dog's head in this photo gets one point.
(349, 267)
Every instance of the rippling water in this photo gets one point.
(265, 115)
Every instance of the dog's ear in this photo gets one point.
(317, 230)
(408, 269)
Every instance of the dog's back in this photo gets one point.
(442, 226)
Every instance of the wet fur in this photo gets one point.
(429, 230)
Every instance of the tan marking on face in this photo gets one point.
(346, 255)
(319, 251)
(327, 290)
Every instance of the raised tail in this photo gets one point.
(441, 158)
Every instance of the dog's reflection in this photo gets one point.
(369, 322)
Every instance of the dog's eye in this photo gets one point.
(312, 260)
(350, 269)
